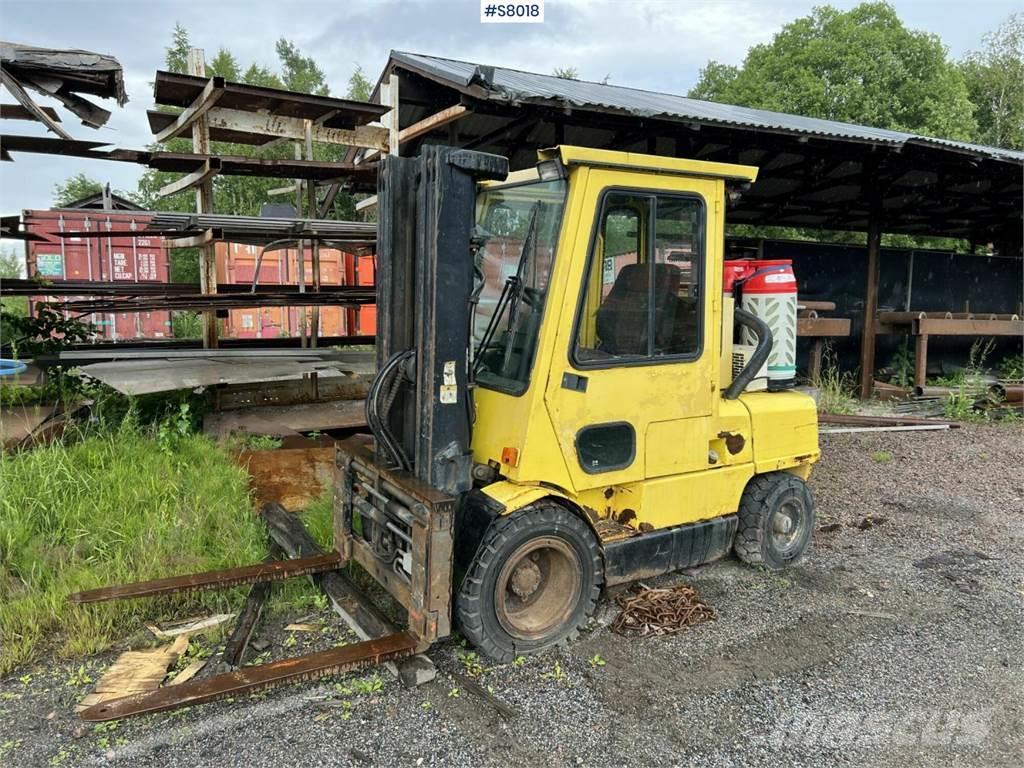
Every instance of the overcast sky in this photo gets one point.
(653, 44)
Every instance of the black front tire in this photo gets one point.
(533, 584)
(776, 521)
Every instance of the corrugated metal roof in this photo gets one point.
(523, 87)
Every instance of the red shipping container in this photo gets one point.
(111, 258)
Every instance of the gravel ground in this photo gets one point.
(898, 641)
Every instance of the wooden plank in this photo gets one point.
(368, 136)
(234, 649)
(188, 672)
(135, 672)
(954, 327)
(822, 326)
(900, 318)
(432, 123)
(205, 101)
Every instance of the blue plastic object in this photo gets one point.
(11, 367)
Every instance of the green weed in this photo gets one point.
(1012, 367)
(970, 385)
(557, 674)
(881, 457)
(368, 685)
(902, 365)
(835, 387)
(262, 443)
(471, 663)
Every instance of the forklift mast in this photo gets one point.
(420, 407)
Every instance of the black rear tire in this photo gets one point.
(776, 521)
(533, 584)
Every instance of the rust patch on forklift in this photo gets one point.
(734, 443)
(627, 516)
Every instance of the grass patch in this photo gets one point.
(835, 388)
(114, 507)
(881, 457)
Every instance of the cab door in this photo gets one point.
(634, 371)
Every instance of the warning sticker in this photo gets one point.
(449, 373)
(449, 394)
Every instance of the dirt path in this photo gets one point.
(897, 642)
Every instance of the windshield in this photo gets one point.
(518, 228)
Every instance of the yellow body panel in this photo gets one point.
(694, 452)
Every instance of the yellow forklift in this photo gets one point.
(561, 404)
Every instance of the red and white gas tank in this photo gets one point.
(766, 288)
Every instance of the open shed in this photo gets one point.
(813, 173)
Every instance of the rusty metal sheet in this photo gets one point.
(292, 477)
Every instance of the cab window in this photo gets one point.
(642, 293)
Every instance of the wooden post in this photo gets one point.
(920, 359)
(814, 364)
(300, 254)
(204, 204)
(314, 244)
(389, 97)
(867, 339)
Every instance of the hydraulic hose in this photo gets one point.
(761, 352)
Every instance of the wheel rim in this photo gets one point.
(538, 587)
(787, 524)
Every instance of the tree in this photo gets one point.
(714, 81)
(566, 73)
(359, 86)
(12, 307)
(225, 65)
(176, 57)
(75, 188)
(300, 73)
(995, 81)
(858, 66)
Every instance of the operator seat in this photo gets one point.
(622, 316)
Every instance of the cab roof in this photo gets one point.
(570, 155)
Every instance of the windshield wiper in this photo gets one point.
(511, 293)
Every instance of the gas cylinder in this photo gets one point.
(767, 289)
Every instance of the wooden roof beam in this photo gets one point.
(279, 126)
(432, 123)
